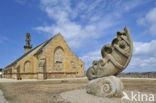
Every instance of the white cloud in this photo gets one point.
(90, 57)
(149, 21)
(26, 2)
(82, 21)
(132, 4)
(22, 2)
(145, 49)
(3, 39)
(143, 59)
(141, 65)
(93, 21)
(74, 33)
(151, 15)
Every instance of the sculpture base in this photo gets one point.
(105, 87)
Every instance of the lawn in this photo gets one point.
(48, 91)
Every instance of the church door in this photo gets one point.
(18, 73)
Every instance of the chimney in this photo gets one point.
(27, 46)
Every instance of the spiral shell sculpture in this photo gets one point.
(105, 87)
(115, 58)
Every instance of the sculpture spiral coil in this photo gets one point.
(105, 87)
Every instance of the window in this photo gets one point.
(58, 58)
(73, 65)
(27, 66)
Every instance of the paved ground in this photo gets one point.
(2, 99)
(80, 96)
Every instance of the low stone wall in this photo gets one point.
(48, 75)
(138, 75)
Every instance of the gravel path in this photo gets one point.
(80, 96)
(2, 99)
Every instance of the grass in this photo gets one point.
(48, 91)
(7, 97)
(142, 85)
(38, 92)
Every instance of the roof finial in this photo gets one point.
(28, 45)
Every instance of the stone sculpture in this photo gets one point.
(115, 58)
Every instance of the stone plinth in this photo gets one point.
(105, 87)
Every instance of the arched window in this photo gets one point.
(73, 64)
(58, 58)
(27, 66)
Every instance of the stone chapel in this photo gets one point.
(51, 59)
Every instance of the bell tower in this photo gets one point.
(27, 46)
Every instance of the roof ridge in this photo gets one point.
(24, 55)
(40, 50)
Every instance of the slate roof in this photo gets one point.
(40, 50)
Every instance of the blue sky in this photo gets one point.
(86, 25)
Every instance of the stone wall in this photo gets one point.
(56, 60)
(138, 75)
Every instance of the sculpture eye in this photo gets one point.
(102, 64)
(122, 44)
(109, 50)
(93, 73)
(95, 63)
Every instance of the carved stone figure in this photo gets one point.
(115, 58)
